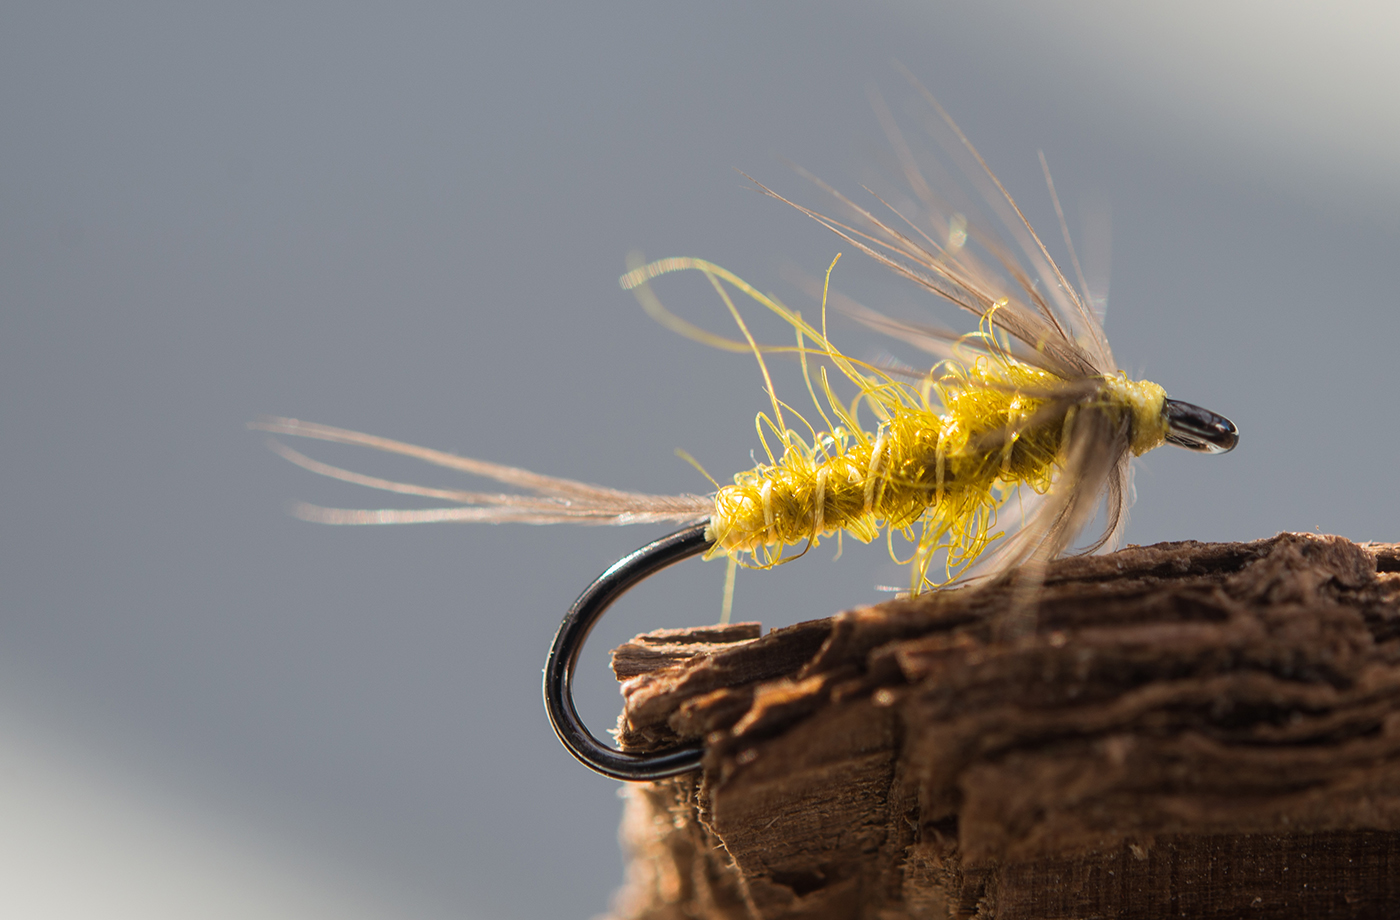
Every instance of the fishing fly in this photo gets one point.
(1030, 404)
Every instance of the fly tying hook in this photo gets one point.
(1190, 426)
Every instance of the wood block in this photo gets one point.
(1187, 730)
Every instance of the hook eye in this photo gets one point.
(1199, 429)
(620, 577)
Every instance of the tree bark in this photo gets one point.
(1185, 730)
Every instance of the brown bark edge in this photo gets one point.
(1190, 730)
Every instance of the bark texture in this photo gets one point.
(1187, 730)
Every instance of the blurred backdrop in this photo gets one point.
(409, 219)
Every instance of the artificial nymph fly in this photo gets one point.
(1031, 402)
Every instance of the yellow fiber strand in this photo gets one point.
(726, 610)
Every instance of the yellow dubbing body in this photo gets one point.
(948, 469)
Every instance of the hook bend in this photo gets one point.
(619, 578)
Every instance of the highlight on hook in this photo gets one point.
(620, 577)
(1199, 429)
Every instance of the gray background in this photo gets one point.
(410, 221)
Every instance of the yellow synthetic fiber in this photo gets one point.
(944, 457)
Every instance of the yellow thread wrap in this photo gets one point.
(1146, 400)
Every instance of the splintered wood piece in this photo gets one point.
(1187, 730)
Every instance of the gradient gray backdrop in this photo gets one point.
(409, 219)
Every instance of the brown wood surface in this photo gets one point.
(1188, 730)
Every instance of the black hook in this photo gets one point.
(619, 578)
